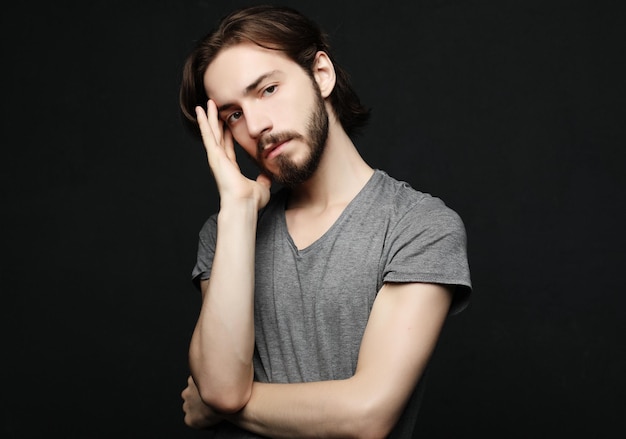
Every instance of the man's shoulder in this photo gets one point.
(401, 196)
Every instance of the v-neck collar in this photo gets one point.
(345, 213)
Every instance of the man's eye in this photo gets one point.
(234, 117)
(269, 90)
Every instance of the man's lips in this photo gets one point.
(273, 149)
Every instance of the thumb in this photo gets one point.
(264, 180)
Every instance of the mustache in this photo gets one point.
(274, 138)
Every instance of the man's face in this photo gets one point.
(273, 109)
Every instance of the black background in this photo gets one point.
(510, 111)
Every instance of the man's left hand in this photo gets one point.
(197, 414)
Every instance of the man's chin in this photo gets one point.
(294, 177)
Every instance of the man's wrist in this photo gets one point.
(240, 209)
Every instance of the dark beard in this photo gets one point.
(292, 174)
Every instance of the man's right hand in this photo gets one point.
(232, 185)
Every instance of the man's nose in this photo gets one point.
(258, 122)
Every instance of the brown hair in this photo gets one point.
(272, 27)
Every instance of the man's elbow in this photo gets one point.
(373, 421)
(377, 428)
(226, 400)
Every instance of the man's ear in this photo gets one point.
(324, 73)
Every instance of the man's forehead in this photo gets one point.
(235, 68)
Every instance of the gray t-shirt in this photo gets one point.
(312, 304)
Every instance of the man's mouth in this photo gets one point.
(274, 149)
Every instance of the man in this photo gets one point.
(323, 300)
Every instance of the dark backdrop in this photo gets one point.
(510, 111)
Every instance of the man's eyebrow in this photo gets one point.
(250, 88)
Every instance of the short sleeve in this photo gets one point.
(206, 251)
(428, 244)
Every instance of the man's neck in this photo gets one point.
(341, 174)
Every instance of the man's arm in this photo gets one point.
(400, 336)
(222, 344)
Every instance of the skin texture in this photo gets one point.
(256, 93)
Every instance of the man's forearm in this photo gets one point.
(222, 344)
(332, 409)
(400, 336)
